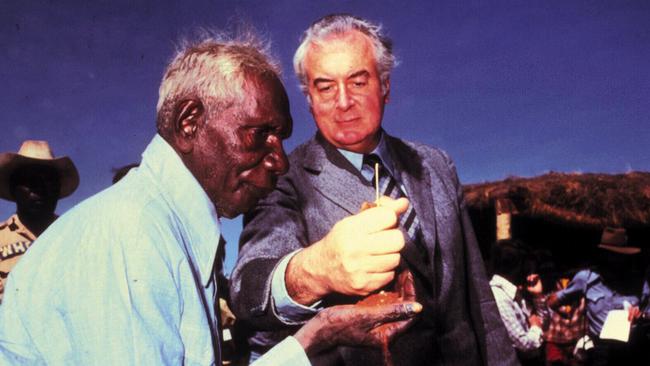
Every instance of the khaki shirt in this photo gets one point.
(15, 239)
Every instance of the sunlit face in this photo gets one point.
(239, 152)
(346, 95)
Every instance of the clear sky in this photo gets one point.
(507, 88)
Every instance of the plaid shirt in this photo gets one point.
(514, 314)
(567, 325)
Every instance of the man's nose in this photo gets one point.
(36, 191)
(276, 161)
(343, 99)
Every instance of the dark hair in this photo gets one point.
(119, 173)
(512, 260)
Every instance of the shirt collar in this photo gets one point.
(356, 159)
(189, 202)
(508, 287)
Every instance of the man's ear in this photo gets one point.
(386, 91)
(187, 119)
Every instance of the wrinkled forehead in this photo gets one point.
(340, 55)
(263, 99)
(266, 89)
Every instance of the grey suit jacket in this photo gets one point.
(322, 187)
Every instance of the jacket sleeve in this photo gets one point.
(524, 338)
(272, 230)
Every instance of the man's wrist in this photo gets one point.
(286, 309)
(303, 283)
(307, 336)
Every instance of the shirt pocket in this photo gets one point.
(594, 296)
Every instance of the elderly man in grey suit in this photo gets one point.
(306, 247)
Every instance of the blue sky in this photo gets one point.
(507, 88)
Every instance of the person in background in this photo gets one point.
(519, 296)
(617, 282)
(35, 181)
(306, 246)
(566, 326)
(128, 277)
(121, 172)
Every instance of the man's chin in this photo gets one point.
(242, 201)
(228, 214)
(233, 210)
(356, 143)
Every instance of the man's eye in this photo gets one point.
(325, 88)
(254, 136)
(261, 133)
(359, 84)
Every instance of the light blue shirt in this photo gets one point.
(285, 308)
(600, 299)
(124, 278)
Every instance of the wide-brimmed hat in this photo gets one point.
(37, 153)
(615, 240)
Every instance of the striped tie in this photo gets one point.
(388, 187)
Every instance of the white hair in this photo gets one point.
(213, 69)
(340, 24)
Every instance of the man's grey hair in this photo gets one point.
(339, 24)
(213, 69)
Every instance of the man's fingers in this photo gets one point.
(376, 281)
(385, 242)
(393, 312)
(381, 263)
(406, 286)
(390, 330)
(399, 206)
(374, 219)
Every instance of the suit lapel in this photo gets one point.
(335, 177)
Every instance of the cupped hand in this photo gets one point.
(352, 325)
(405, 289)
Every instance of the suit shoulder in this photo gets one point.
(427, 152)
(300, 153)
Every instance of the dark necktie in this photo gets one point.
(388, 187)
(216, 269)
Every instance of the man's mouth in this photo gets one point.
(347, 120)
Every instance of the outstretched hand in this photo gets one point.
(352, 325)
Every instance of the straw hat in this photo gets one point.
(615, 240)
(37, 153)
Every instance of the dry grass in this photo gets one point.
(578, 199)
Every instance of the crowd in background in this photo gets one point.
(556, 318)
